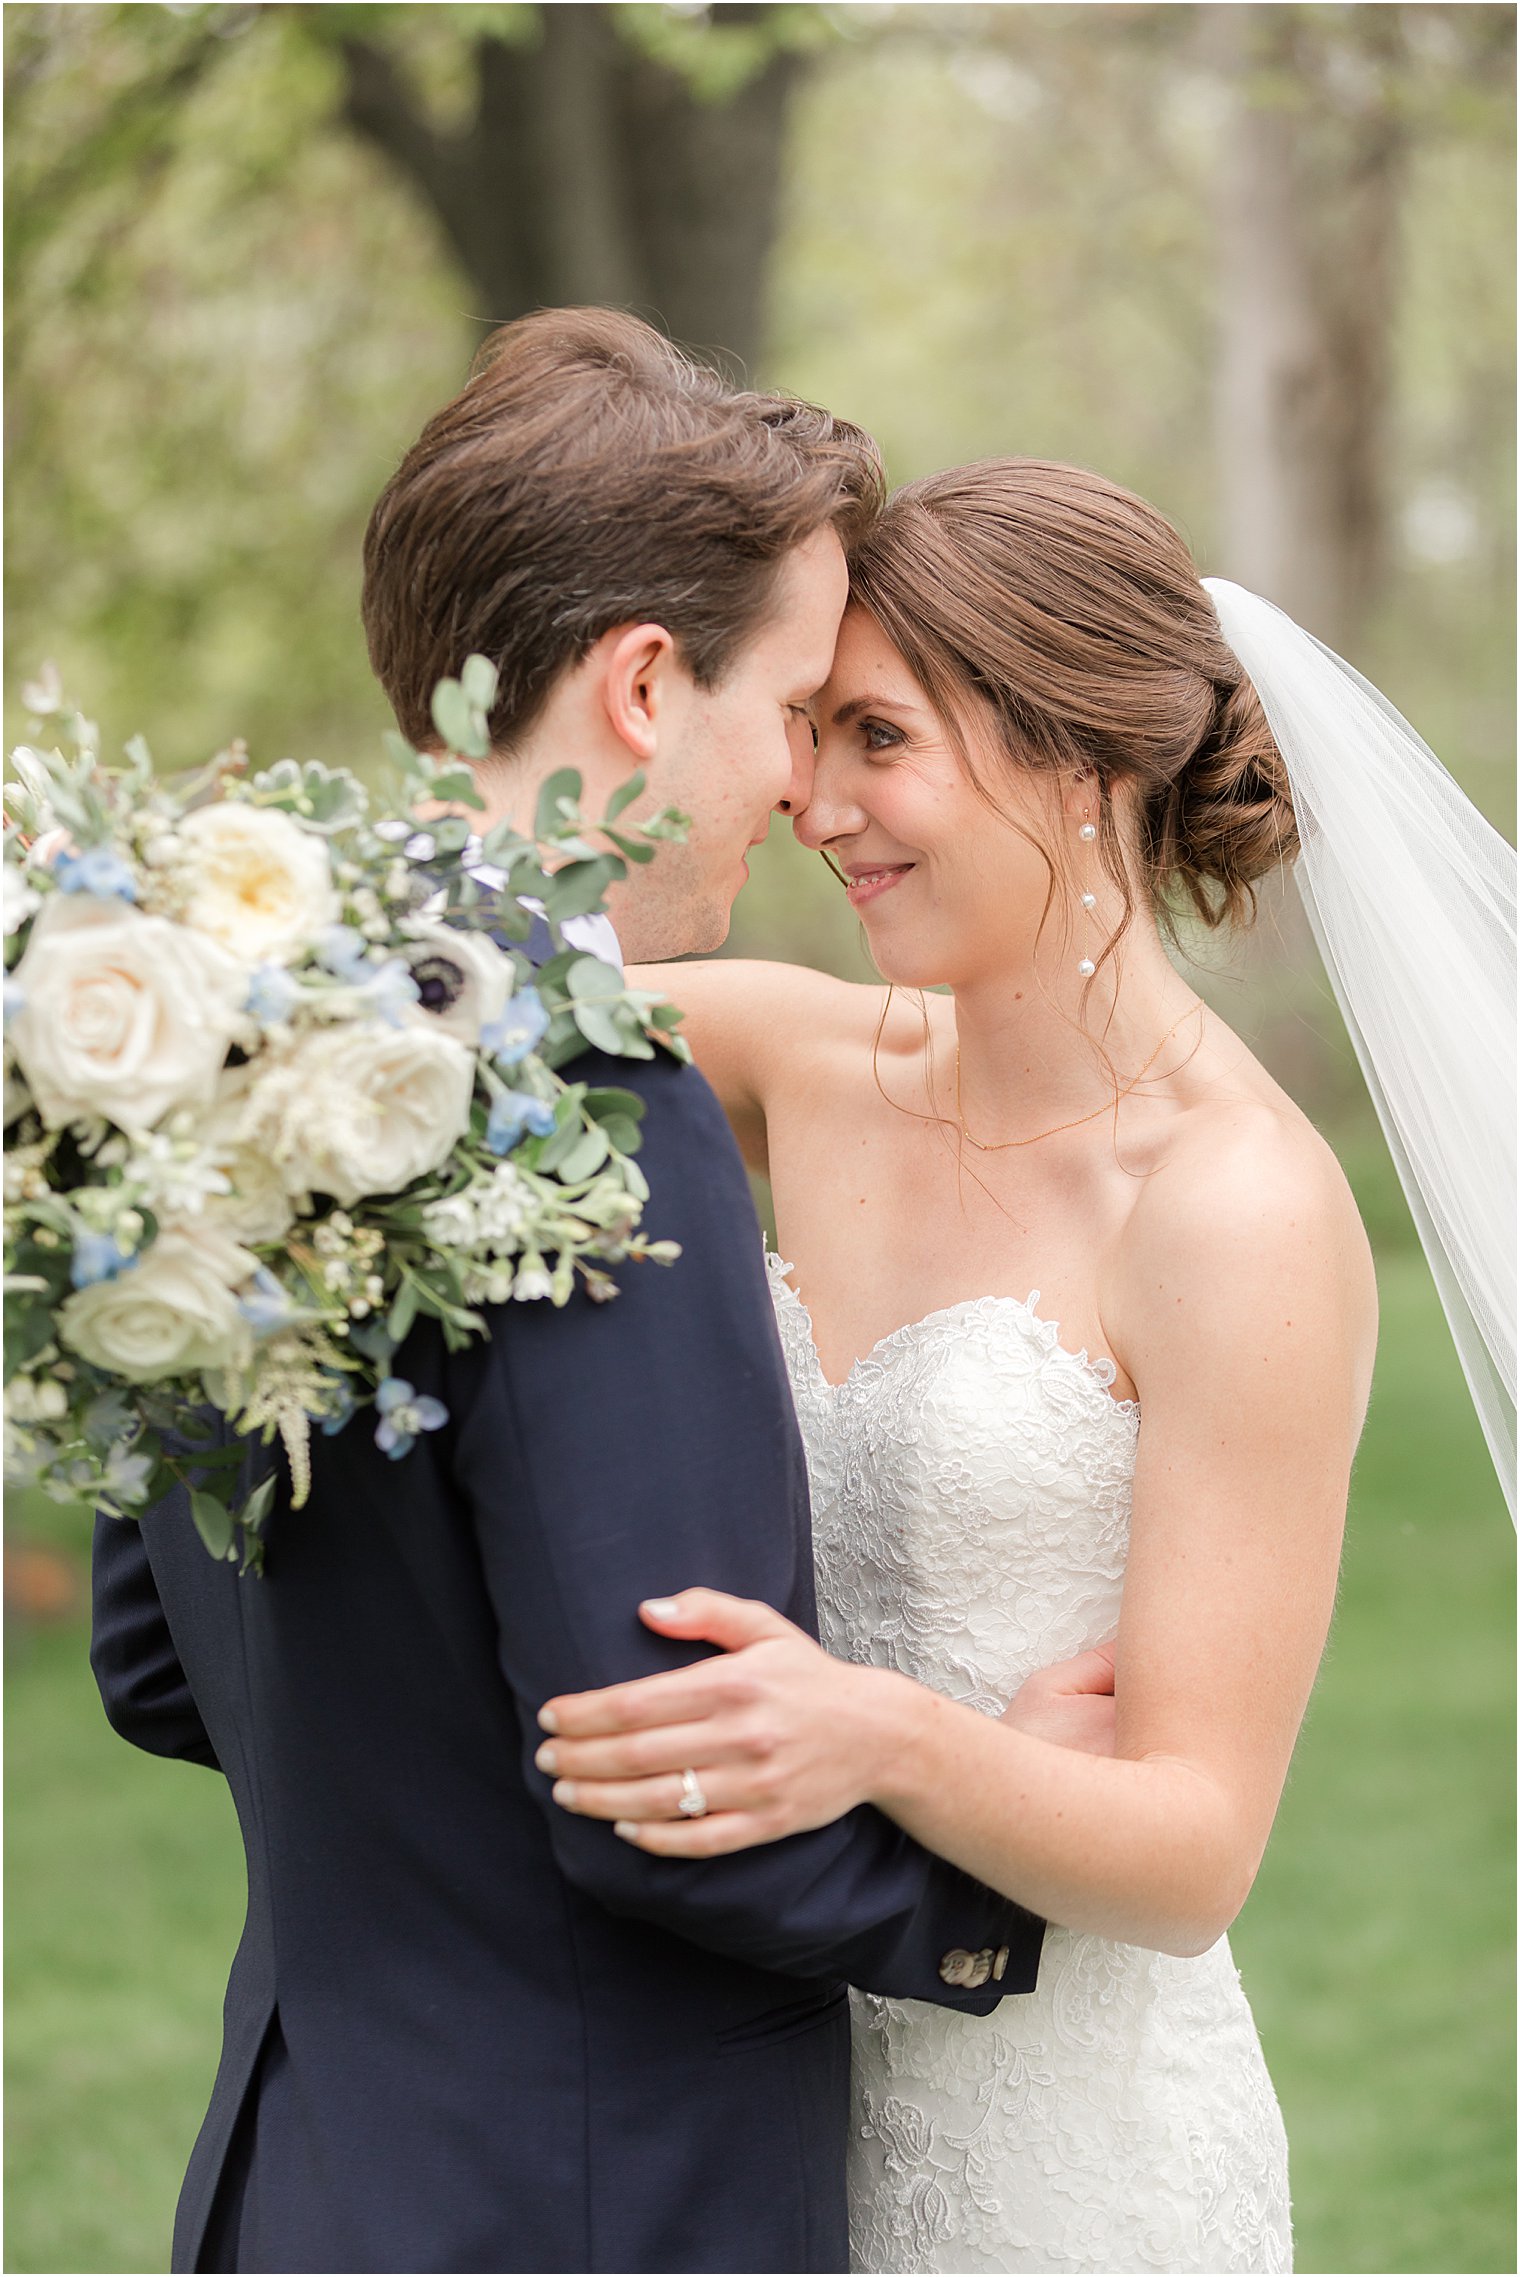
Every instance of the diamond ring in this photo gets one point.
(693, 1803)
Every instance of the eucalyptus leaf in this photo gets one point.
(259, 1504)
(478, 680)
(402, 1313)
(560, 791)
(592, 980)
(213, 1522)
(551, 977)
(451, 835)
(586, 1156)
(669, 823)
(623, 797)
(632, 849)
(609, 1099)
(457, 783)
(598, 1024)
(559, 1146)
(503, 846)
(574, 891)
(507, 916)
(458, 722)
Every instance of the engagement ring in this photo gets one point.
(693, 1803)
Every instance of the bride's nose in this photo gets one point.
(830, 812)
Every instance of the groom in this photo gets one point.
(464, 2030)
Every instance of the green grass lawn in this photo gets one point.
(1377, 1946)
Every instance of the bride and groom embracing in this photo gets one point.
(552, 1908)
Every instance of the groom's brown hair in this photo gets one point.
(590, 474)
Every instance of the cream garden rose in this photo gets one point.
(122, 1015)
(358, 1111)
(173, 1313)
(256, 881)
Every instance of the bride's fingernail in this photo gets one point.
(628, 1828)
(546, 1758)
(547, 1720)
(563, 1792)
(663, 1608)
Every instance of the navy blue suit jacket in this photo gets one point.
(463, 2030)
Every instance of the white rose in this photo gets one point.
(257, 882)
(365, 1110)
(259, 1208)
(125, 1016)
(173, 1313)
(464, 978)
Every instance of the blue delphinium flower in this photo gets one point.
(98, 1257)
(98, 871)
(333, 1424)
(269, 1307)
(404, 1411)
(390, 990)
(344, 951)
(272, 994)
(511, 1036)
(514, 1116)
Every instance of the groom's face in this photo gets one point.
(731, 755)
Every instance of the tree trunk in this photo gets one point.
(1310, 178)
(592, 172)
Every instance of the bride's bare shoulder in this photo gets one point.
(1245, 1207)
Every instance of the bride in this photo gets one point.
(1080, 1320)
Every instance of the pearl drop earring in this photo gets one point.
(1088, 834)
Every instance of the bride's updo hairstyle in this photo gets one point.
(1071, 611)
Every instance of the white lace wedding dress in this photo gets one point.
(971, 1494)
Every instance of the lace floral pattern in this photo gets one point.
(971, 1495)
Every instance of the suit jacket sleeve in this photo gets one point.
(143, 1688)
(611, 1453)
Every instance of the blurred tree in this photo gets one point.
(229, 312)
(1326, 105)
(606, 154)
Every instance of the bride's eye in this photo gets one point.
(879, 736)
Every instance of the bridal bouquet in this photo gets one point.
(279, 1078)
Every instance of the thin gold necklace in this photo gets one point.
(1001, 1146)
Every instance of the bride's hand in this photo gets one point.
(781, 1738)
(1070, 1704)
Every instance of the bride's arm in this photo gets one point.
(1245, 1309)
(748, 1025)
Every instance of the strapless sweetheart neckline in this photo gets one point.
(1102, 1372)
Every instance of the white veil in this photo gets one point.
(1411, 894)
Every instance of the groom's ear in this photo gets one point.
(638, 673)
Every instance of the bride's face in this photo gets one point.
(949, 888)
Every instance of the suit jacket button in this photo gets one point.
(1000, 1965)
(968, 1969)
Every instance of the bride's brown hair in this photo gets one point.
(1073, 611)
